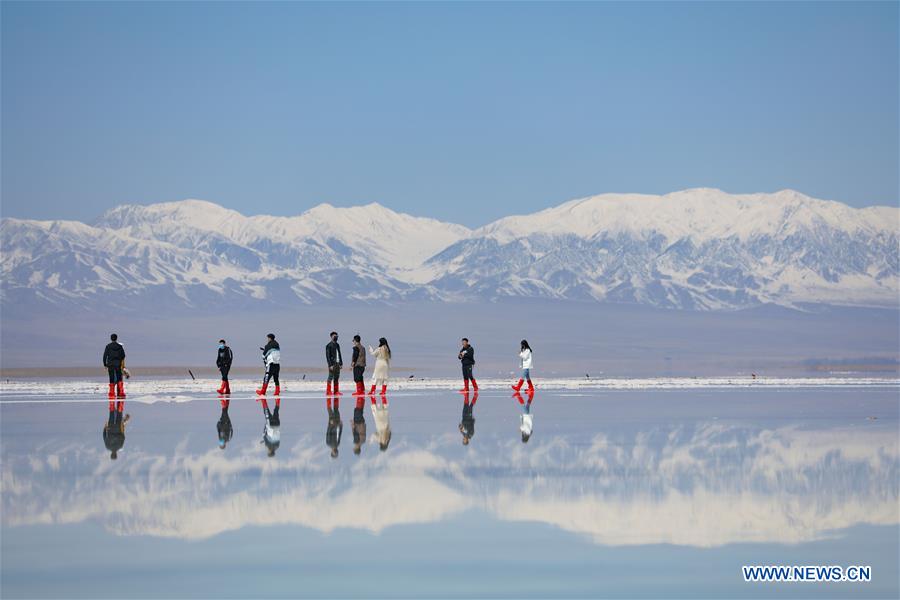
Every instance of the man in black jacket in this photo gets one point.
(223, 361)
(114, 361)
(467, 358)
(335, 362)
(358, 363)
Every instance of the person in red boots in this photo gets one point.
(335, 362)
(467, 358)
(525, 362)
(272, 359)
(382, 370)
(114, 361)
(223, 361)
(114, 429)
(358, 364)
(467, 424)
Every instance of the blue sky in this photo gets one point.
(464, 112)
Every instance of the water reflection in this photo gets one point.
(467, 424)
(359, 425)
(526, 419)
(223, 426)
(114, 428)
(272, 428)
(335, 426)
(698, 484)
(382, 421)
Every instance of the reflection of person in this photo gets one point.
(223, 361)
(526, 419)
(272, 359)
(467, 424)
(224, 425)
(382, 370)
(382, 422)
(358, 363)
(525, 361)
(114, 361)
(359, 426)
(272, 428)
(114, 429)
(335, 426)
(335, 362)
(467, 358)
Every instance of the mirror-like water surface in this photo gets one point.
(580, 494)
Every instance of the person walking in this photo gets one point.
(358, 364)
(272, 359)
(114, 361)
(382, 370)
(335, 362)
(525, 362)
(223, 426)
(272, 428)
(467, 358)
(223, 361)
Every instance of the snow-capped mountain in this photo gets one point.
(700, 249)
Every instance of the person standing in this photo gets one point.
(382, 370)
(335, 362)
(359, 425)
(358, 363)
(272, 359)
(223, 361)
(335, 426)
(114, 429)
(467, 424)
(467, 358)
(114, 361)
(525, 362)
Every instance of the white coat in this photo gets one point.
(382, 365)
(525, 356)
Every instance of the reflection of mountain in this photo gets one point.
(701, 486)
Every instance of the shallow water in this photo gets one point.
(637, 493)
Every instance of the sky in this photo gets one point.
(464, 112)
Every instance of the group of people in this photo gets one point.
(334, 360)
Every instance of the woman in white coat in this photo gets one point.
(526, 362)
(382, 370)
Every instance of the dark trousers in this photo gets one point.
(467, 372)
(224, 372)
(358, 373)
(334, 373)
(115, 374)
(272, 372)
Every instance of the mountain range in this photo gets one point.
(699, 249)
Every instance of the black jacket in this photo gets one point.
(333, 354)
(113, 355)
(468, 355)
(224, 358)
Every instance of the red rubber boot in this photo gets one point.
(465, 390)
(221, 389)
(121, 390)
(474, 384)
(328, 389)
(518, 386)
(277, 390)
(112, 391)
(372, 391)
(530, 386)
(337, 388)
(262, 391)
(227, 387)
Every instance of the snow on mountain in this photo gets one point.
(701, 249)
